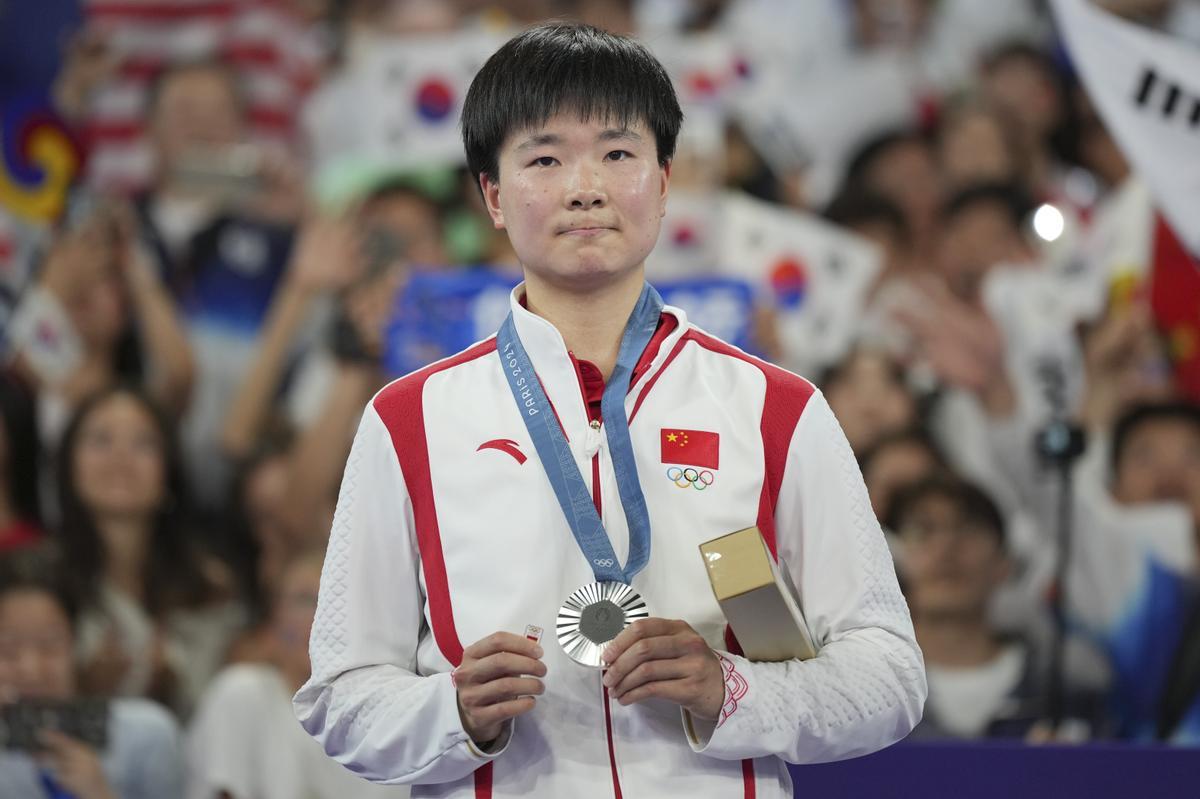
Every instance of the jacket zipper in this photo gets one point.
(595, 424)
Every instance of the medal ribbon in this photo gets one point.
(555, 453)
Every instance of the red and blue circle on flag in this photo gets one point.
(434, 99)
(789, 281)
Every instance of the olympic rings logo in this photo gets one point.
(683, 478)
(605, 562)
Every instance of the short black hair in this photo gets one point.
(1148, 412)
(1010, 198)
(859, 205)
(39, 570)
(405, 186)
(837, 370)
(971, 501)
(1016, 50)
(557, 67)
(873, 149)
(914, 435)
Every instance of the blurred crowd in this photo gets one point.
(191, 332)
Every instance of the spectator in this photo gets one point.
(870, 397)
(881, 222)
(895, 462)
(900, 166)
(977, 144)
(157, 613)
(245, 742)
(952, 561)
(1021, 83)
(1132, 585)
(983, 226)
(273, 47)
(1156, 456)
(97, 315)
(220, 213)
(142, 758)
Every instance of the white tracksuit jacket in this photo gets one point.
(438, 542)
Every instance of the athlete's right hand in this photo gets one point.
(496, 681)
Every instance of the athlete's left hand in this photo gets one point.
(665, 659)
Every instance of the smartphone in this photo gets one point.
(381, 249)
(85, 720)
(227, 173)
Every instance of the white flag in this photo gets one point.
(816, 274)
(1146, 86)
(412, 93)
(689, 238)
(708, 69)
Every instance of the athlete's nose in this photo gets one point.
(586, 191)
(586, 199)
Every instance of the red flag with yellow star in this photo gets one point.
(1175, 299)
(691, 447)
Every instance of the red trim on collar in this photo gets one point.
(591, 380)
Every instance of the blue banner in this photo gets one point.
(441, 312)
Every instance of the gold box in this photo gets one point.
(757, 597)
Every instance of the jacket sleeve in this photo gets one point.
(866, 687)
(365, 702)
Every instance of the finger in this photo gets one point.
(644, 628)
(503, 711)
(503, 642)
(57, 744)
(653, 671)
(494, 667)
(662, 647)
(968, 322)
(681, 692)
(918, 323)
(502, 690)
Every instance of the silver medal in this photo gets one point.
(593, 616)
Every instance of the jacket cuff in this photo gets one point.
(702, 733)
(475, 750)
(494, 748)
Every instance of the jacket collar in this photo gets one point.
(554, 368)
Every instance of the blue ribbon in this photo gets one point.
(555, 454)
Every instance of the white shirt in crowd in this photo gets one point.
(245, 740)
(965, 700)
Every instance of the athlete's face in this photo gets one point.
(582, 201)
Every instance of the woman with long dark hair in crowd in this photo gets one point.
(158, 613)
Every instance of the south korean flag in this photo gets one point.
(708, 69)
(689, 239)
(1146, 86)
(815, 275)
(412, 91)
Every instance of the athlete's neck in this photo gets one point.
(590, 322)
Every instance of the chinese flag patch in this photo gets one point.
(691, 447)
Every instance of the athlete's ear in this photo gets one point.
(665, 171)
(491, 198)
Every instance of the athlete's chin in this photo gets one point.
(584, 274)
